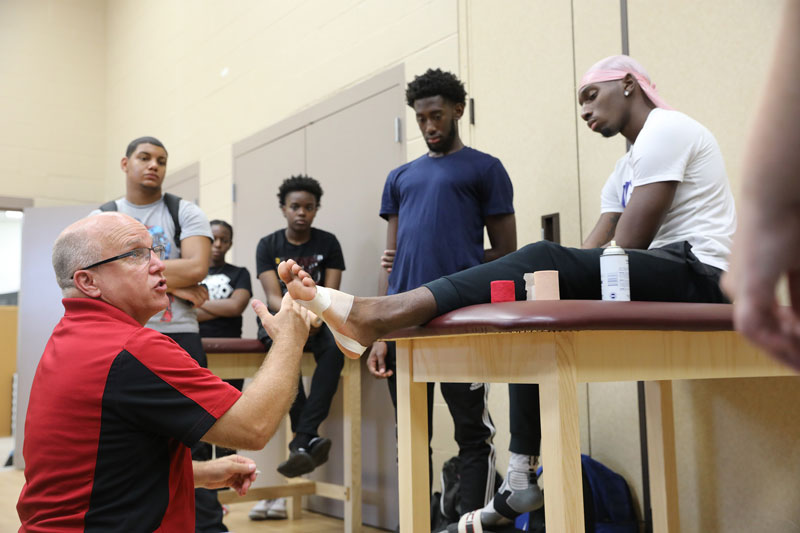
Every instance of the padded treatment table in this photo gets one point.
(559, 344)
(241, 358)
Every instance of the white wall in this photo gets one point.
(11, 242)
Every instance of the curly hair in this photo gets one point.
(436, 83)
(299, 183)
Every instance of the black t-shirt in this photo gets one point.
(221, 282)
(322, 251)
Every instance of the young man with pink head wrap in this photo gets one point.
(667, 202)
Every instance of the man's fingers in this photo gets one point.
(240, 465)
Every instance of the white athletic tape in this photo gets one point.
(348, 343)
(470, 522)
(320, 302)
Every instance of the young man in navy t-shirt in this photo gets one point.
(437, 207)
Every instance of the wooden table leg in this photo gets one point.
(351, 397)
(294, 504)
(561, 451)
(661, 457)
(412, 445)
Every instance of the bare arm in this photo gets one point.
(376, 360)
(191, 268)
(257, 414)
(391, 245)
(502, 230)
(272, 288)
(603, 231)
(333, 278)
(644, 214)
(768, 239)
(233, 306)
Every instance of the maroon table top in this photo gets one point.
(570, 315)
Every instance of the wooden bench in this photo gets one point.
(241, 358)
(559, 344)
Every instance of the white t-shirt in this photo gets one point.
(179, 316)
(675, 147)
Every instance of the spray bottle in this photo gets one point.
(614, 274)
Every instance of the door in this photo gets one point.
(349, 145)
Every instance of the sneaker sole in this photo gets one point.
(319, 453)
(296, 465)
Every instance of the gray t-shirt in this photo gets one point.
(179, 316)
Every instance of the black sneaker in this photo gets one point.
(299, 462)
(319, 448)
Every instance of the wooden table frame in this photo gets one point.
(558, 361)
(245, 365)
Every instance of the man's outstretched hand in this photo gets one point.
(232, 471)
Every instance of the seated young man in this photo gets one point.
(667, 202)
(321, 255)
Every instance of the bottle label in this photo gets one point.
(614, 278)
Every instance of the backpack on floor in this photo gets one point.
(613, 504)
(607, 502)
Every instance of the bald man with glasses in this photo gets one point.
(115, 406)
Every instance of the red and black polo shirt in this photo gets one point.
(113, 411)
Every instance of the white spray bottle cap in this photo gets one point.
(613, 249)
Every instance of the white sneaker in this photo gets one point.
(268, 510)
(260, 510)
(278, 509)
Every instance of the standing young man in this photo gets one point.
(437, 207)
(187, 258)
(321, 255)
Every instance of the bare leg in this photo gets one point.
(367, 319)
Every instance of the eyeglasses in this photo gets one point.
(140, 256)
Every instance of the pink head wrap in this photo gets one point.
(615, 68)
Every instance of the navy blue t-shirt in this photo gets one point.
(442, 204)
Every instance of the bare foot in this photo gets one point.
(332, 306)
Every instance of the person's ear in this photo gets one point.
(86, 282)
(629, 85)
(123, 164)
(458, 110)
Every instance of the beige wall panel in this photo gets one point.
(521, 76)
(52, 100)
(708, 60)
(443, 430)
(738, 459)
(597, 35)
(614, 431)
(280, 57)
